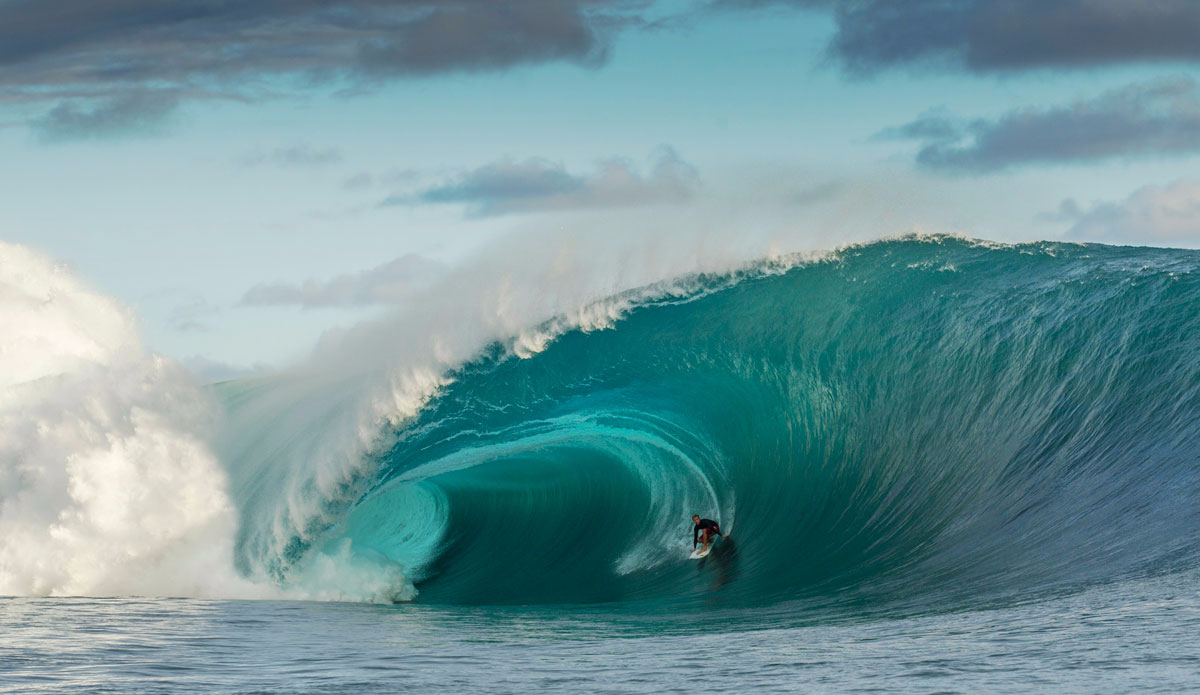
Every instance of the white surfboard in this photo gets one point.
(697, 554)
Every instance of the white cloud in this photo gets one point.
(1153, 215)
(383, 284)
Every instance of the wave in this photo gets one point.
(912, 424)
(919, 423)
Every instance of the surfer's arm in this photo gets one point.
(695, 536)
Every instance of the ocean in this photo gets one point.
(944, 465)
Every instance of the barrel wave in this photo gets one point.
(910, 425)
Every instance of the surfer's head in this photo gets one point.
(695, 518)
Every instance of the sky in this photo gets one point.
(247, 176)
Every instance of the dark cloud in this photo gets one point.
(537, 185)
(1154, 215)
(933, 126)
(294, 156)
(1005, 35)
(384, 284)
(65, 46)
(485, 35)
(506, 180)
(137, 112)
(1155, 118)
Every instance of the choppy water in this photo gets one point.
(1139, 636)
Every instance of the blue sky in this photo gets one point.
(202, 166)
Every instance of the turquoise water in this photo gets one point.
(909, 425)
(946, 466)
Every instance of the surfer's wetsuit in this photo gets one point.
(710, 525)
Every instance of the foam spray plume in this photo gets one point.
(107, 482)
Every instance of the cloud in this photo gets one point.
(485, 35)
(394, 177)
(1005, 35)
(211, 371)
(1068, 211)
(1154, 215)
(1154, 118)
(539, 185)
(358, 181)
(818, 193)
(193, 315)
(129, 113)
(294, 156)
(384, 284)
(933, 125)
(79, 47)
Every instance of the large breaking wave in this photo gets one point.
(918, 423)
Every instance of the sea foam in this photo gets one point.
(107, 482)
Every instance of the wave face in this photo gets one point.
(919, 423)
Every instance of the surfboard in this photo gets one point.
(697, 554)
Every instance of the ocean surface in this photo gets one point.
(1137, 636)
(945, 466)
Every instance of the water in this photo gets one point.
(945, 466)
(909, 423)
(1136, 637)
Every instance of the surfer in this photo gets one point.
(703, 532)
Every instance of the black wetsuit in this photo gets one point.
(704, 523)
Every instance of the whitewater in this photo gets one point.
(945, 463)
